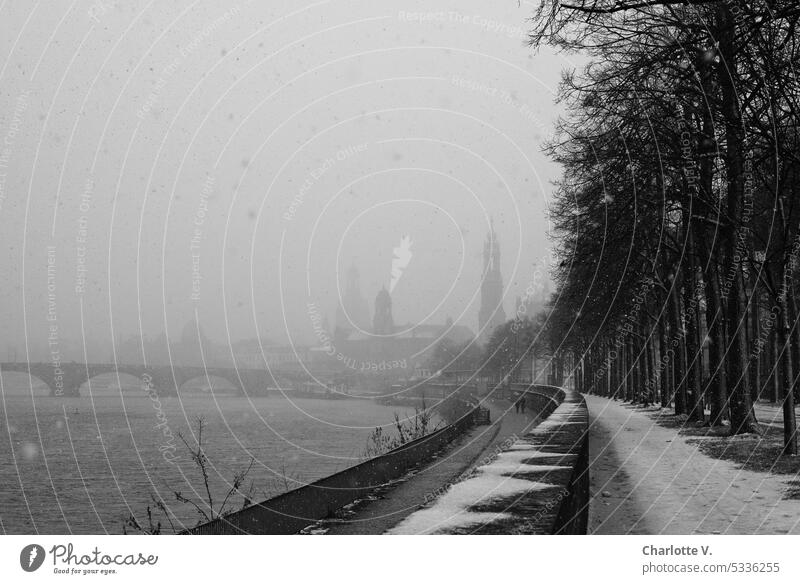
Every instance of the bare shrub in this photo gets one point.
(205, 506)
(406, 430)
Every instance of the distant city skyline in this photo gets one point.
(208, 169)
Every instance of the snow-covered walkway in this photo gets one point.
(520, 491)
(474, 448)
(648, 479)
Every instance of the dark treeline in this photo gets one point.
(509, 355)
(678, 229)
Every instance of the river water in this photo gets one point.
(83, 465)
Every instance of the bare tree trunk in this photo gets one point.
(743, 418)
(716, 366)
(784, 335)
(678, 345)
(794, 335)
(620, 372)
(691, 308)
(773, 380)
(755, 334)
(647, 389)
(715, 391)
(634, 385)
(632, 381)
(665, 363)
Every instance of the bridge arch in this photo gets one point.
(67, 379)
(114, 382)
(22, 383)
(62, 379)
(207, 377)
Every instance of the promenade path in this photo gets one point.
(649, 479)
(394, 503)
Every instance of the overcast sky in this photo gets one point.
(230, 160)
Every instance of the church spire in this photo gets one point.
(353, 311)
(491, 312)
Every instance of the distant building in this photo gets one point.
(352, 313)
(399, 351)
(255, 354)
(383, 323)
(491, 313)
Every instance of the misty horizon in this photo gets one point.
(214, 183)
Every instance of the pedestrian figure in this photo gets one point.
(522, 404)
(516, 406)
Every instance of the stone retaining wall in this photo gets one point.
(290, 512)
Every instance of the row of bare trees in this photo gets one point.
(677, 217)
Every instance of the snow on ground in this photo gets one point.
(452, 509)
(648, 479)
(513, 461)
(490, 482)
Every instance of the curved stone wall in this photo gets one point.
(290, 512)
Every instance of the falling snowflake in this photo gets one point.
(29, 451)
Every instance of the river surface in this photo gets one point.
(84, 465)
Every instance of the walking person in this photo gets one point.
(516, 405)
(522, 404)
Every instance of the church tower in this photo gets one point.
(383, 323)
(491, 313)
(352, 313)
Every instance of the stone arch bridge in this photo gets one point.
(65, 379)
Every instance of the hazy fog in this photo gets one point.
(231, 160)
